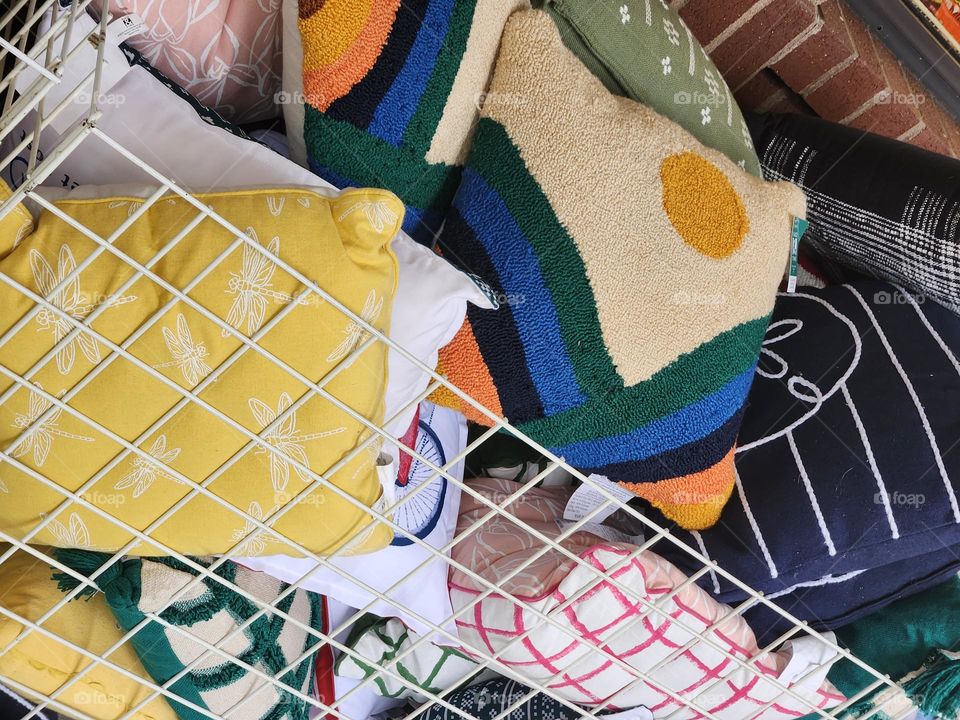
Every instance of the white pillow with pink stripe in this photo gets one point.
(612, 624)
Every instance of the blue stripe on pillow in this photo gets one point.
(394, 112)
(532, 308)
(684, 426)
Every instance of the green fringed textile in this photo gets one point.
(914, 641)
(83, 563)
(936, 689)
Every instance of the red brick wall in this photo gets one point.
(816, 56)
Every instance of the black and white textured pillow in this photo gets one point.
(878, 206)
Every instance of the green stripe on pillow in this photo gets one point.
(418, 135)
(691, 377)
(369, 161)
(499, 162)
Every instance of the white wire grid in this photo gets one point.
(20, 42)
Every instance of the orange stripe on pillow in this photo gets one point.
(694, 501)
(331, 30)
(463, 365)
(326, 77)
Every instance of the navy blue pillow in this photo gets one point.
(831, 606)
(847, 459)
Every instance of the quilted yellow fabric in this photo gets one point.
(45, 665)
(340, 242)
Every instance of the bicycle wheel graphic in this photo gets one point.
(419, 515)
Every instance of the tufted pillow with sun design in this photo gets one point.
(636, 270)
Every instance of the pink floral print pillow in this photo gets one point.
(226, 53)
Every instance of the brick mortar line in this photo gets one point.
(914, 131)
(808, 33)
(829, 75)
(873, 101)
(728, 31)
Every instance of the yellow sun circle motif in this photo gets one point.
(702, 205)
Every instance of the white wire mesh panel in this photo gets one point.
(31, 45)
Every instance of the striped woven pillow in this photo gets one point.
(636, 271)
(391, 92)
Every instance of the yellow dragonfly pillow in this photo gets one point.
(173, 396)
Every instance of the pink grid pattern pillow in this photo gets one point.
(609, 623)
(226, 53)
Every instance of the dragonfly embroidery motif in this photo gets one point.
(70, 301)
(37, 438)
(285, 440)
(145, 472)
(252, 287)
(188, 356)
(75, 535)
(254, 539)
(275, 205)
(379, 215)
(354, 333)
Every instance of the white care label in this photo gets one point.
(126, 27)
(587, 498)
(77, 71)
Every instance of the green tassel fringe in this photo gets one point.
(936, 688)
(85, 563)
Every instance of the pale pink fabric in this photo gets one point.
(226, 53)
(608, 622)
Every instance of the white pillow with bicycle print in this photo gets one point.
(413, 580)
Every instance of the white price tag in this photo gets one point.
(586, 499)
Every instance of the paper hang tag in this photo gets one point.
(797, 229)
(78, 70)
(586, 499)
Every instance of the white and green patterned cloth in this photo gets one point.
(642, 49)
(379, 640)
(211, 612)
